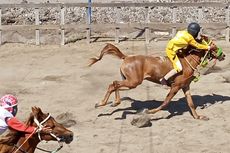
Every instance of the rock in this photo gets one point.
(142, 121)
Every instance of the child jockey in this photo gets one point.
(181, 41)
(8, 111)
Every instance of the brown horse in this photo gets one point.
(136, 68)
(18, 142)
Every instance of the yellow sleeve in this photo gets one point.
(194, 43)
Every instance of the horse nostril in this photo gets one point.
(68, 138)
(71, 137)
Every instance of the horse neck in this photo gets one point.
(194, 60)
(29, 145)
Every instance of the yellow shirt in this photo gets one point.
(182, 40)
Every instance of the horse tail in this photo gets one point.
(110, 50)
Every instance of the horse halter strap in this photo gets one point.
(40, 126)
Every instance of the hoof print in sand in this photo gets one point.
(66, 119)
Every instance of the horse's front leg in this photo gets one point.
(188, 96)
(173, 91)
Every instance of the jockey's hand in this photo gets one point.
(204, 37)
(213, 47)
(46, 129)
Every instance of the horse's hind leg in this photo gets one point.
(124, 85)
(117, 98)
(106, 98)
(116, 86)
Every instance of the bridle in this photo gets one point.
(207, 56)
(38, 130)
(202, 63)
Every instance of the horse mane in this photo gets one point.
(13, 136)
(190, 50)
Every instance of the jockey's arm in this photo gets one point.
(15, 124)
(197, 45)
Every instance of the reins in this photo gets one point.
(19, 148)
(56, 150)
(196, 72)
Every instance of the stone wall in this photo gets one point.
(76, 15)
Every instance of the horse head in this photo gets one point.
(59, 132)
(216, 53)
(16, 141)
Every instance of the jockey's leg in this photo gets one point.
(191, 104)
(170, 74)
(177, 68)
(173, 91)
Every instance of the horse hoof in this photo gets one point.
(115, 104)
(98, 105)
(143, 111)
(204, 118)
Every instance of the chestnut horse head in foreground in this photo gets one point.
(136, 68)
(18, 142)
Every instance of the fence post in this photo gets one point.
(37, 36)
(88, 22)
(174, 15)
(228, 24)
(0, 26)
(200, 16)
(62, 25)
(147, 39)
(117, 29)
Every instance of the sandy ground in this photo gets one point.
(56, 79)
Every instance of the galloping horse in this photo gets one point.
(18, 142)
(136, 68)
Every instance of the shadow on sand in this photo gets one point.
(174, 108)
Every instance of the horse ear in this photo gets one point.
(35, 111)
(39, 110)
(30, 119)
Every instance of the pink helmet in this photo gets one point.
(8, 102)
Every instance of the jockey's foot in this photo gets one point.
(164, 83)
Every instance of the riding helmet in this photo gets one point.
(193, 29)
(9, 102)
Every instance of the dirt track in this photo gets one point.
(57, 80)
